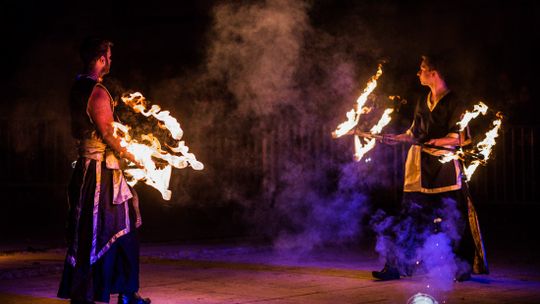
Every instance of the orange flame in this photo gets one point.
(359, 149)
(478, 109)
(485, 147)
(150, 148)
(353, 116)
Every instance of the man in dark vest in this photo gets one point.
(430, 186)
(103, 248)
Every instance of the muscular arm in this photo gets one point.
(99, 109)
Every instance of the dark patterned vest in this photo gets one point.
(81, 125)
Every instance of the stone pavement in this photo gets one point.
(247, 273)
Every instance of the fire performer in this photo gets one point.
(103, 249)
(428, 183)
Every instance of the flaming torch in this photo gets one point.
(157, 163)
(353, 118)
(483, 148)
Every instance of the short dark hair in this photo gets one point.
(434, 63)
(92, 49)
(444, 63)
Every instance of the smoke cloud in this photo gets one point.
(422, 241)
(256, 49)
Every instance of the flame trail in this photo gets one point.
(149, 148)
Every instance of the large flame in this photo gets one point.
(478, 109)
(353, 116)
(361, 149)
(485, 147)
(149, 149)
(482, 149)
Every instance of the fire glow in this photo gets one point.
(148, 148)
(353, 118)
(484, 147)
(478, 109)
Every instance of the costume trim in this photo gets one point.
(72, 257)
(413, 174)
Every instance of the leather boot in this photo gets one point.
(387, 273)
(132, 298)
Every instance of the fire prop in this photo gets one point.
(156, 162)
(484, 147)
(364, 145)
(471, 158)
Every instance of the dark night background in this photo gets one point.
(257, 87)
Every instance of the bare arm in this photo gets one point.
(451, 139)
(99, 109)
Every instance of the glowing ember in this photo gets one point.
(149, 149)
(353, 116)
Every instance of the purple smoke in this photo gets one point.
(434, 260)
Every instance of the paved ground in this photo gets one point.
(244, 273)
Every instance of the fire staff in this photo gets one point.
(103, 249)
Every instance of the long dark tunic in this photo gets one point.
(103, 250)
(428, 182)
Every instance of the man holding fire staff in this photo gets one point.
(103, 248)
(430, 184)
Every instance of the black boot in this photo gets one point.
(387, 273)
(463, 276)
(132, 298)
(81, 302)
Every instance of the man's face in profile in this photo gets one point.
(107, 67)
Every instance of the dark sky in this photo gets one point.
(159, 37)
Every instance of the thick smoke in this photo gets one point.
(421, 248)
(295, 82)
(255, 49)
